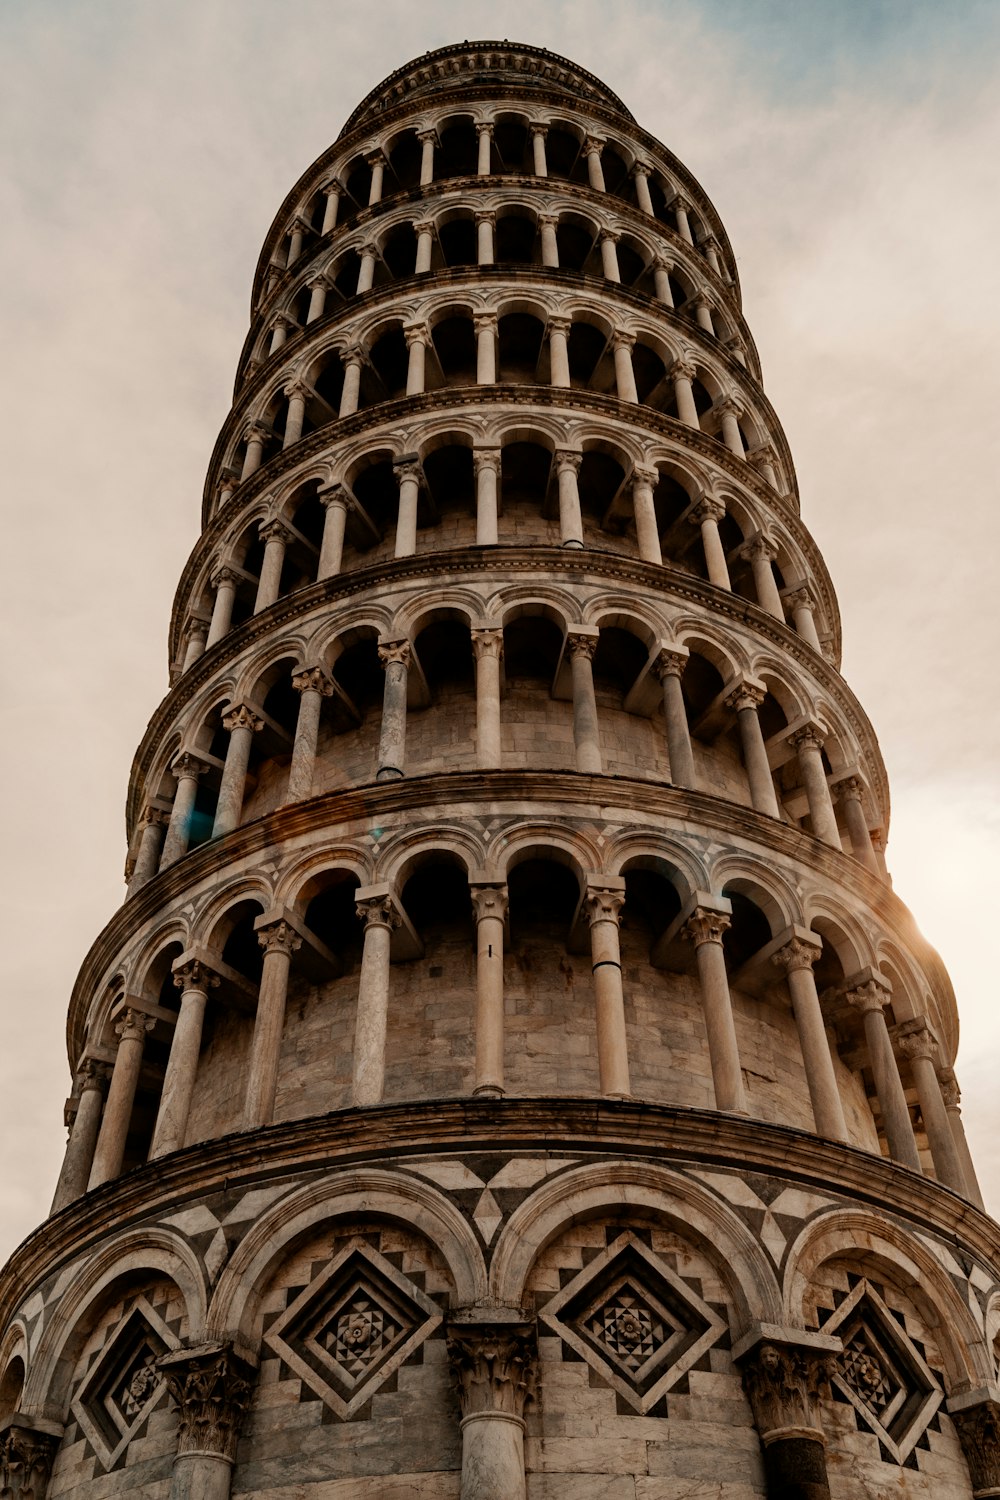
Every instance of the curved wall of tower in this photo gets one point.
(511, 1072)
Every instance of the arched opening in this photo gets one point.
(271, 746)
(599, 482)
(444, 734)
(457, 239)
(516, 240)
(399, 251)
(591, 363)
(343, 275)
(348, 738)
(576, 241)
(455, 346)
(404, 161)
(537, 730)
(389, 358)
(458, 153)
(451, 489)
(525, 480)
(632, 743)
(662, 1011)
(511, 153)
(323, 1077)
(327, 388)
(376, 490)
(616, 174)
(563, 156)
(11, 1386)
(522, 346)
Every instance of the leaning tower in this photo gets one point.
(511, 1073)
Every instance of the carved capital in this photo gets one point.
(683, 369)
(274, 531)
(708, 509)
(416, 333)
(212, 1389)
(759, 548)
(728, 406)
(640, 169)
(541, 130)
(312, 680)
(979, 1433)
(850, 789)
(484, 127)
(494, 1368)
(648, 476)
(428, 134)
(565, 458)
(800, 599)
(581, 645)
(132, 1026)
(950, 1091)
(594, 145)
(196, 629)
(559, 325)
(408, 468)
(154, 817)
(488, 901)
(670, 663)
(784, 1386)
(486, 216)
(225, 574)
(487, 643)
(603, 904)
(92, 1074)
(620, 339)
(796, 954)
(375, 159)
(395, 653)
(241, 716)
(379, 911)
(187, 767)
(868, 998)
(680, 204)
(194, 975)
(705, 926)
(256, 433)
(485, 323)
(746, 695)
(916, 1043)
(809, 737)
(25, 1462)
(614, 235)
(279, 937)
(485, 458)
(335, 494)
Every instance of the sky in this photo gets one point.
(851, 148)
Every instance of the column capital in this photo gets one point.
(487, 642)
(408, 468)
(800, 598)
(640, 169)
(211, 1386)
(350, 352)
(333, 186)
(369, 247)
(423, 226)
(274, 530)
(978, 1429)
(312, 680)
(950, 1091)
(680, 204)
(565, 458)
(153, 817)
(663, 262)
(705, 925)
(708, 509)
(536, 129)
(26, 1455)
(683, 368)
(800, 952)
(850, 788)
(746, 694)
(594, 145)
(871, 996)
(92, 1074)
(915, 1039)
(428, 133)
(133, 1025)
(622, 339)
(416, 333)
(670, 661)
(335, 494)
(225, 574)
(485, 127)
(279, 937)
(316, 280)
(196, 627)
(489, 900)
(559, 323)
(606, 233)
(579, 642)
(187, 766)
(603, 903)
(395, 653)
(486, 322)
(256, 430)
(759, 547)
(379, 911)
(763, 454)
(242, 716)
(493, 1366)
(810, 735)
(486, 216)
(376, 158)
(784, 1381)
(641, 474)
(552, 219)
(485, 458)
(726, 406)
(193, 974)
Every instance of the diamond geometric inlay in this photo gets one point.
(123, 1384)
(630, 1317)
(352, 1327)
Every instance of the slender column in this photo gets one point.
(952, 1096)
(485, 134)
(279, 333)
(736, 349)
(197, 633)
(366, 270)
(276, 536)
(91, 1082)
(640, 176)
(760, 552)
(977, 1421)
(318, 289)
(800, 602)
(424, 231)
(377, 163)
(602, 908)
(227, 484)
(486, 467)
(27, 1454)
(647, 532)
(586, 735)
(538, 134)
(795, 960)
(661, 280)
(681, 206)
(669, 669)
(745, 700)
(351, 392)
(870, 998)
(489, 903)
(147, 861)
(242, 724)
(332, 192)
(109, 1154)
(682, 372)
(850, 791)
(254, 437)
(570, 517)
(224, 581)
(428, 140)
(487, 648)
(548, 224)
(808, 743)
(621, 344)
(395, 658)
(417, 336)
(915, 1041)
(707, 514)
(711, 252)
(484, 237)
(380, 917)
(609, 254)
(298, 234)
(486, 326)
(703, 317)
(784, 1382)
(212, 1388)
(279, 941)
(764, 458)
(194, 981)
(729, 414)
(313, 685)
(704, 928)
(335, 502)
(186, 769)
(593, 147)
(559, 352)
(494, 1369)
(409, 476)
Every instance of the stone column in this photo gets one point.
(765, 459)
(366, 270)
(109, 1154)
(538, 134)
(428, 140)
(735, 348)
(730, 412)
(279, 333)
(489, 903)
(710, 248)
(621, 345)
(27, 1453)
(409, 476)
(224, 581)
(915, 1041)
(682, 372)
(850, 791)
(486, 468)
(194, 981)
(703, 317)
(870, 998)
(147, 861)
(570, 517)
(704, 928)
(197, 633)
(332, 193)
(681, 206)
(784, 1383)
(351, 392)
(647, 532)
(276, 536)
(602, 908)
(487, 648)
(380, 918)
(707, 514)
(800, 602)
(795, 960)
(760, 552)
(580, 648)
(485, 223)
(336, 502)
(318, 289)
(808, 744)
(279, 941)
(417, 336)
(395, 658)
(242, 724)
(952, 1096)
(424, 230)
(640, 176)
(486, 328)
(212, 1388)
(559, 352)
(745, 700)
(609, 254)
(485, 133)
(91, 1083)
(186, 770)
(661, 280)
(377, 163)
(227, 484)
(255, 438)
(593, 146)
(298, 395)
(298, 234)
(494, 1368)
(313, 685)
(669, 669)
(548, 224)
(977, 1421)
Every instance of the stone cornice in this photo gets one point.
(585, 1127)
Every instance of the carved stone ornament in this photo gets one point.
(275, 531)
(485, 458)
(187, 766)
(487, 643)
(92, 1074)
(489, 901)
(565, 458)
(279, 937)
(380, 911)
(869, 997)
(240, 716)
(670, 663)
(581, 645)
(796, 954)
(225, 574)
(784, 1386)
(979, 1433)
(603, 905)
(759, 548)
(133, 1025)
(683, 369)
(395, 653)
(25, 1462)
(312, 680)
(494, 1367)
(621, 339)
(211, 1388)
(920, 1042)
(708, 509)
(643, 475)
(195, 975)
(746, 696)
(705, 926)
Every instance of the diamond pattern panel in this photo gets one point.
(123, 1385)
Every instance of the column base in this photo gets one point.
(488, 1091)
(388, 773)
(576, 546)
